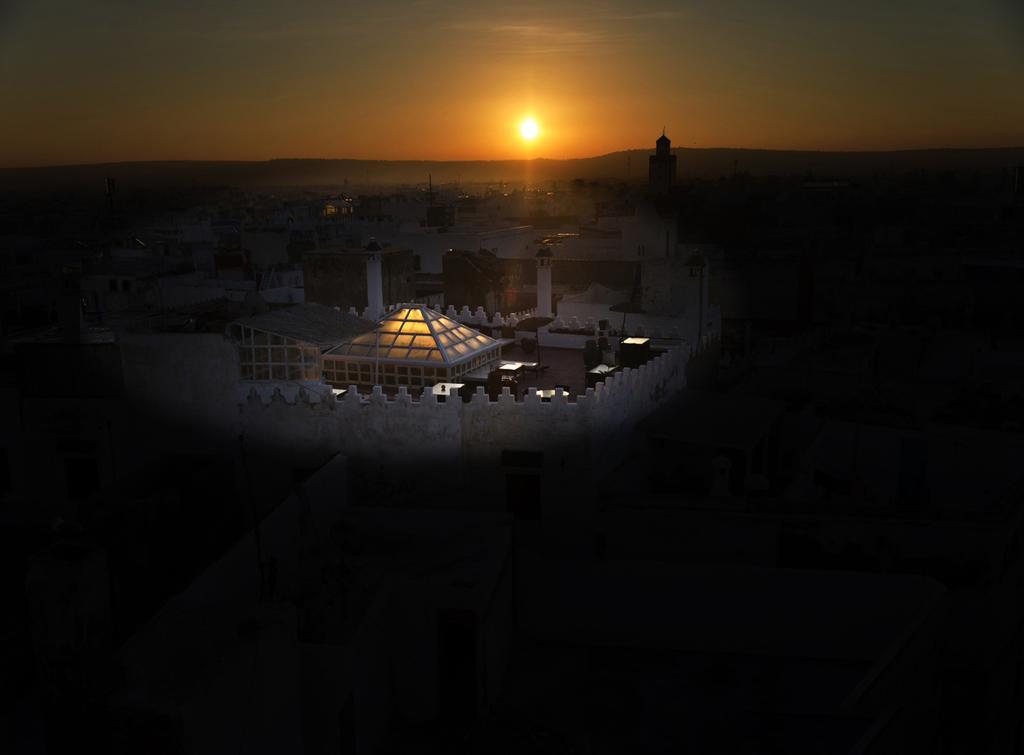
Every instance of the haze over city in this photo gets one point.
(223, 80)
(537, 378)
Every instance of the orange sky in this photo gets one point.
(223, 79)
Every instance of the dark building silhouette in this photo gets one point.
(337, 277)
(662, 166)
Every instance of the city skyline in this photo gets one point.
(418, 80)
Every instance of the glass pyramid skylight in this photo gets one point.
(413, 332)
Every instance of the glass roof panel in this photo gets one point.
(415, 332)
(420, 328)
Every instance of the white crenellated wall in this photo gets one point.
(465, 315)
(401, 429)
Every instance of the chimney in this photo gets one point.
(374, 281)
(69, 307)
(544, 283)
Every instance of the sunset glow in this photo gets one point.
(529, 129)
(316, 81)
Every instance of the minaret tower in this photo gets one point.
(662, 166)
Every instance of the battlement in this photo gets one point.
(388, 426)
(477, 318)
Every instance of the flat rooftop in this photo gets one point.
(564, 367)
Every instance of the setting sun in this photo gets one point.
(529, 129)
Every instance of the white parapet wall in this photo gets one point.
(465, 315)
(400, 429)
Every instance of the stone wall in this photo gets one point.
(474, 317)
(459, 445)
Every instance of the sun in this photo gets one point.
(529, 129)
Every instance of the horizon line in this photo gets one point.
(506, 160)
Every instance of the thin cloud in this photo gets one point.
(536, 38)
(654, 15)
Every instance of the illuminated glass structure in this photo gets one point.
(414, 346)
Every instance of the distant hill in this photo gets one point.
(697, 163)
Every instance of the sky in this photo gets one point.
(112, 80)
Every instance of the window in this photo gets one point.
(82, 475)
(126, 286)
(113, 285)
